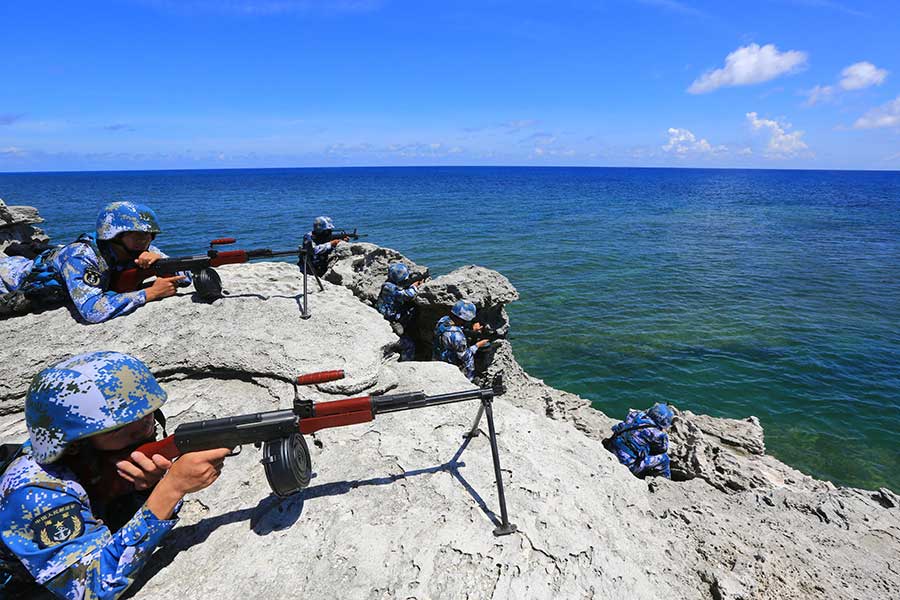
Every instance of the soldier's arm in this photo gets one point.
(71, 552)
(94, 302)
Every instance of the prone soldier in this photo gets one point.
(81, 271)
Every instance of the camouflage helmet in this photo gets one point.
(463, 309)
(85, 395)
(398, 273)
(322, 224)
(661, 414)
(119, 217)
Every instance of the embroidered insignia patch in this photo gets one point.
(58, 525)
(92, 277)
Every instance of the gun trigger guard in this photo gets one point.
(234, 452)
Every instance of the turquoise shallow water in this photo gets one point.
(773, 293)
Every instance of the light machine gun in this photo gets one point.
(279, 433)
(207, 281)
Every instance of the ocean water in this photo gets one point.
(726, 292)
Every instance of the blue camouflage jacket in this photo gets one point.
(394, 301)
(85, 267)
(48, 524)
(638, 437)
(320, 252)
(450, 346)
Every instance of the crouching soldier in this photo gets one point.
(318, 244)
(82, 271)
(395, 303)
(450, 343)
(641, 443)
(53, 530)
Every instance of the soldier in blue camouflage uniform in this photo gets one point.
(450, 344)
(640, 442)
(82, 270)
(74, 411)
(318, 244)
(396, 305)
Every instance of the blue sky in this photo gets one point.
(149, 84)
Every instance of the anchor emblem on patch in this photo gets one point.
(58, 525)
(92, 277)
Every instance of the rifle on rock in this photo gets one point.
(279, 433)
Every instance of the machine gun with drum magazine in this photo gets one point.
(279, 433)
(207, 281)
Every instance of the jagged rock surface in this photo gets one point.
(17, 227)
(401, 508)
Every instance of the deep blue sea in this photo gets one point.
(726, 292)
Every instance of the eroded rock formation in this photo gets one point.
(403, 507)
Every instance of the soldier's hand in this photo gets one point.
(195, 471)
(163, 287)
(191, 473)
(483, 343)
(146, 259)
(142, 471)
(477, 327)
(335, 242)
(418, 283)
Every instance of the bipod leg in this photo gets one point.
(505, 527)
(473, 430)
(304, 262)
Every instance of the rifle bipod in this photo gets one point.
(486, 408)
(303, 263)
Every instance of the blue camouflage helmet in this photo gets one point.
(322, 224)
(85, 395)
(119, 217)
(661, 414)
(464, 309)
(398, 273)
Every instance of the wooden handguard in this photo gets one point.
(219, 241)
(320, 377)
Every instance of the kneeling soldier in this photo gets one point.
(641, 443)
(450, 343)
(395, 304)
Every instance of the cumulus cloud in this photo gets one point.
(748, 65)
(886, 115)
(862, 75)
(781, 143)
(682, 142)
(855, 77)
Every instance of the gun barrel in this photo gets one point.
(414, 400)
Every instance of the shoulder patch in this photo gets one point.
(92, 277)
(58, 525)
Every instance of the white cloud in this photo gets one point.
(781, 143)
(683, 142)
(886, 115)
(819, 94)
(855, 77)
(12, 151)
(748, 65)
(862, 75)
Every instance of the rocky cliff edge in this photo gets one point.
(403, 507)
